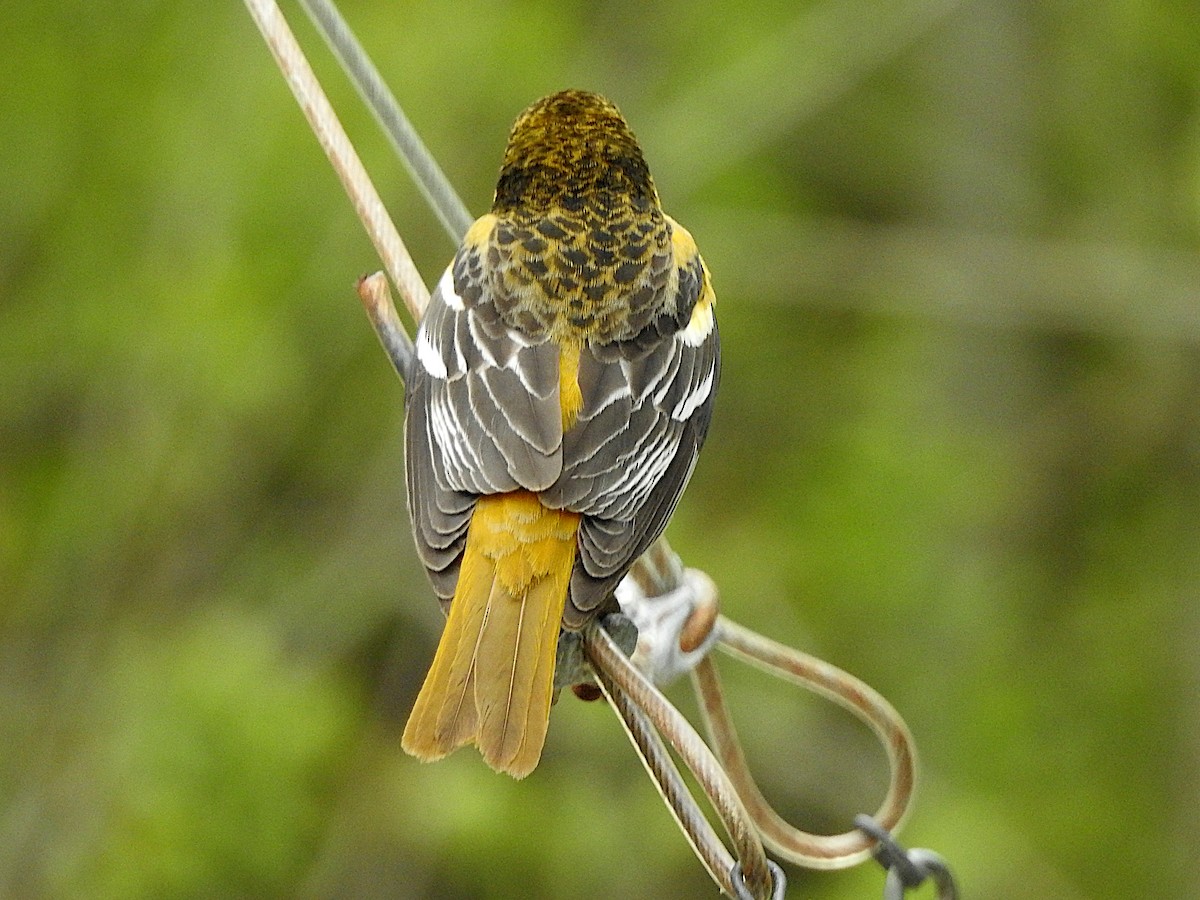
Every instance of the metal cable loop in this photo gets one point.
(802, 848)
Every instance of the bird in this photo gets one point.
(562, 386)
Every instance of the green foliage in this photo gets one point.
(218, 761)
(955, 451)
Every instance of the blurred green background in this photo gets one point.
(956, 449)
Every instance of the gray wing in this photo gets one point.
(482, 416)
(647, 406)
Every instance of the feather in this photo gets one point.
(492, 677)
(444, 716)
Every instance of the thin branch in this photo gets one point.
(605, 655)
(377, 301)
(428, 175)
(333, 140)
(704, 842)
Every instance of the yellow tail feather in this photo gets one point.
(492, 677)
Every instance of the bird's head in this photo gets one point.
(571, 149)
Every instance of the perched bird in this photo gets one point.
(564, 379)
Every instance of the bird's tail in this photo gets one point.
(492, 677)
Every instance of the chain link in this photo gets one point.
(907, 869)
